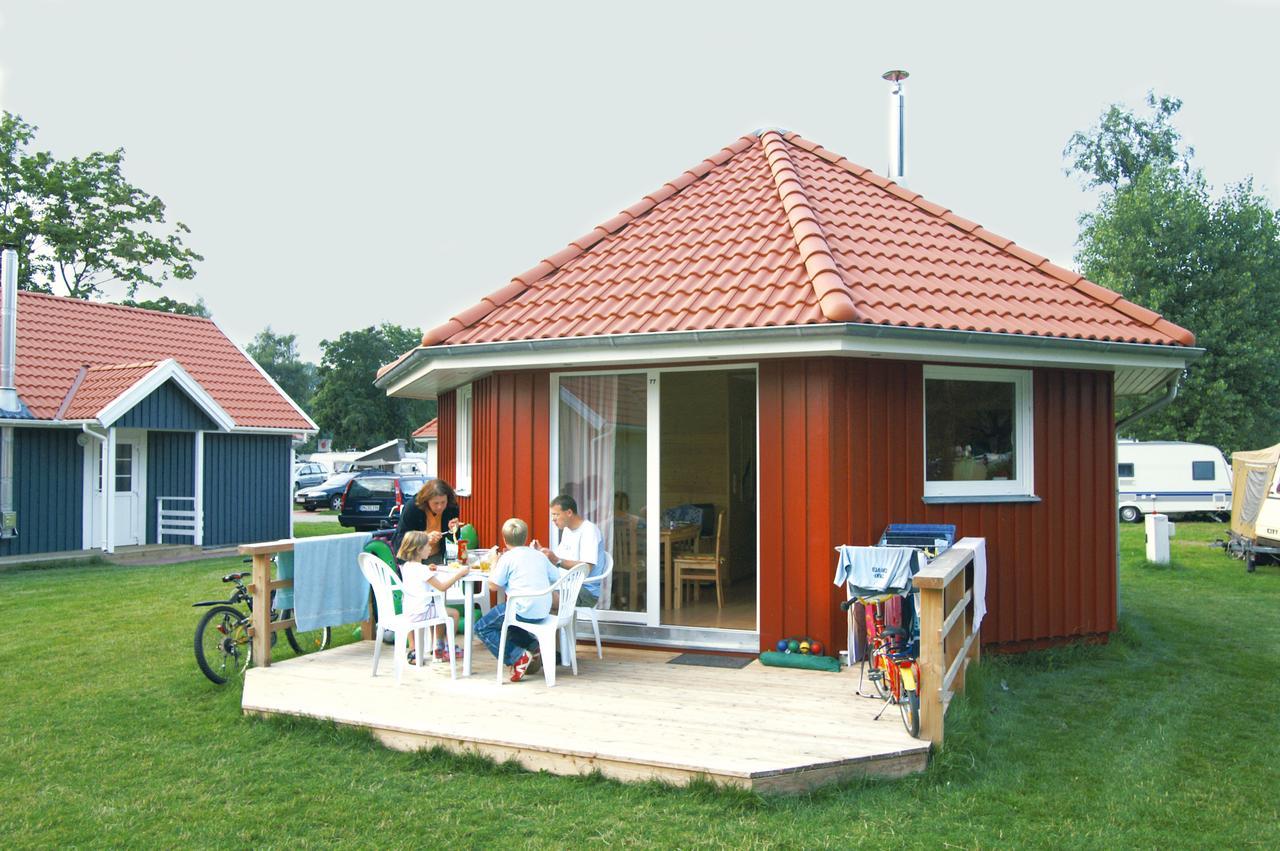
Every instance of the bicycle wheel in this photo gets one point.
(878, 673)
(222, 645)
(309, 640)
(909, 703)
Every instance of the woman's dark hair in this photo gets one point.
(434, 487)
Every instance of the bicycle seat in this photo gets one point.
(232, 577)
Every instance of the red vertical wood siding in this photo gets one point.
(510, 452)
(842, 448)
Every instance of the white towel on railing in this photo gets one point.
(977, 546)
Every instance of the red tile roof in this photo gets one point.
(775, 230)
(57, 336)
(426, 429)
(101, 385)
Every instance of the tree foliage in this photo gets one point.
(1210, 263)
(347, 406)
(79, 224)
(164, 304)
(278, 355)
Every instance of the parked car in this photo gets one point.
(327, 494)
(371, 498)
(307, 475)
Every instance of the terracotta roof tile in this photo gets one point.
(775, 229)
(427, 429)
(57, 337)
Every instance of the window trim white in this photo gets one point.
(1024, 483)
(465, 428)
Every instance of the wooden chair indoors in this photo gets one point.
(625, 558)
(698, 568)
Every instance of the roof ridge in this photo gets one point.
(834, 296)
(525, 280)
(1076, 281)
(66, 299)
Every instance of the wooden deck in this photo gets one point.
(630, 715)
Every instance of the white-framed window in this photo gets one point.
(462, 467)
(977, 432)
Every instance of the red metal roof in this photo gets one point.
(427, 429)
(775, 230)
(58, 336)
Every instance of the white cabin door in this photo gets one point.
(130, 479)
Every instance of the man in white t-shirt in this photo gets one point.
(580, 543)
(520, 570)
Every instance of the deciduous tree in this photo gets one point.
(347, 406)
(80, 225)
(278, 355)
(1209, 262)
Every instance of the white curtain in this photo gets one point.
(588, 452)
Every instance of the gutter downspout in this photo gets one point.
(9, 401)
(102, 439)
(1169, 396)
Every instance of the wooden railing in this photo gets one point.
(175, 521)
(261, 588)
(948, 642)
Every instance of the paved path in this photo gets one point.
(313, 517)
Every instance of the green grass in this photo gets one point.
(1165, 737)
(311, 530)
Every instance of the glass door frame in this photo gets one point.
(652, 615)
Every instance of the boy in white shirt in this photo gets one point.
(580, 543)
(520, 570)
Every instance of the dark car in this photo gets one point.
(327, 494)
(371, 498)
(308, 475)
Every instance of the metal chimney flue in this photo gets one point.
(897, 126)
(9, 328)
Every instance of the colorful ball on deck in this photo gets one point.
(804, 648)
(782, 645)
(815, 648)
(793, 646)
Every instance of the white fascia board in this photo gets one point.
(315, 429)
(434, 370)
(168, 370)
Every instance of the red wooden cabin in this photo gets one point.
(786, 338)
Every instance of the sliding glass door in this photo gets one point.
(664, 462)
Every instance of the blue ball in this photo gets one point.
(782, 646)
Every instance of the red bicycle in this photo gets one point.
(890, 665)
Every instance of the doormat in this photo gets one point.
(709, 660)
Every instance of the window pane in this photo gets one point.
(602, 452)
(377, 488)
(1126, 471)
(1202, 471)
(124, 467)
(969, 431)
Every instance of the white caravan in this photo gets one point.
(1170, 478)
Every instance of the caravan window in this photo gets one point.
(977, 432)
(1202, 471)
(1125, 471)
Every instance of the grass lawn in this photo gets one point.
(1165, 737)
(311, 530)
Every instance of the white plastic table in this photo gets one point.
(473, 583)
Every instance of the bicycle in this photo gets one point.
(894, 670)
(224, 636)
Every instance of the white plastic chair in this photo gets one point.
(383, 581)
(558, 624)
(589, 612)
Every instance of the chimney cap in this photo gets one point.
(9, 246)
(894, 76)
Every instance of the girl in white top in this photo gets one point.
(419, 580)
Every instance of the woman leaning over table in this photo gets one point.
(434, 510)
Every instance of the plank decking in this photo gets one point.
(630, 716)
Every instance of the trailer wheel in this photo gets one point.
(1130, 514)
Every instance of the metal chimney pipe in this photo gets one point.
(897, 126)
(9, 327)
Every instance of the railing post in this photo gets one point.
(932, 667)
(262, 609)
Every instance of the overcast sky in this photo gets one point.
(345, 164)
